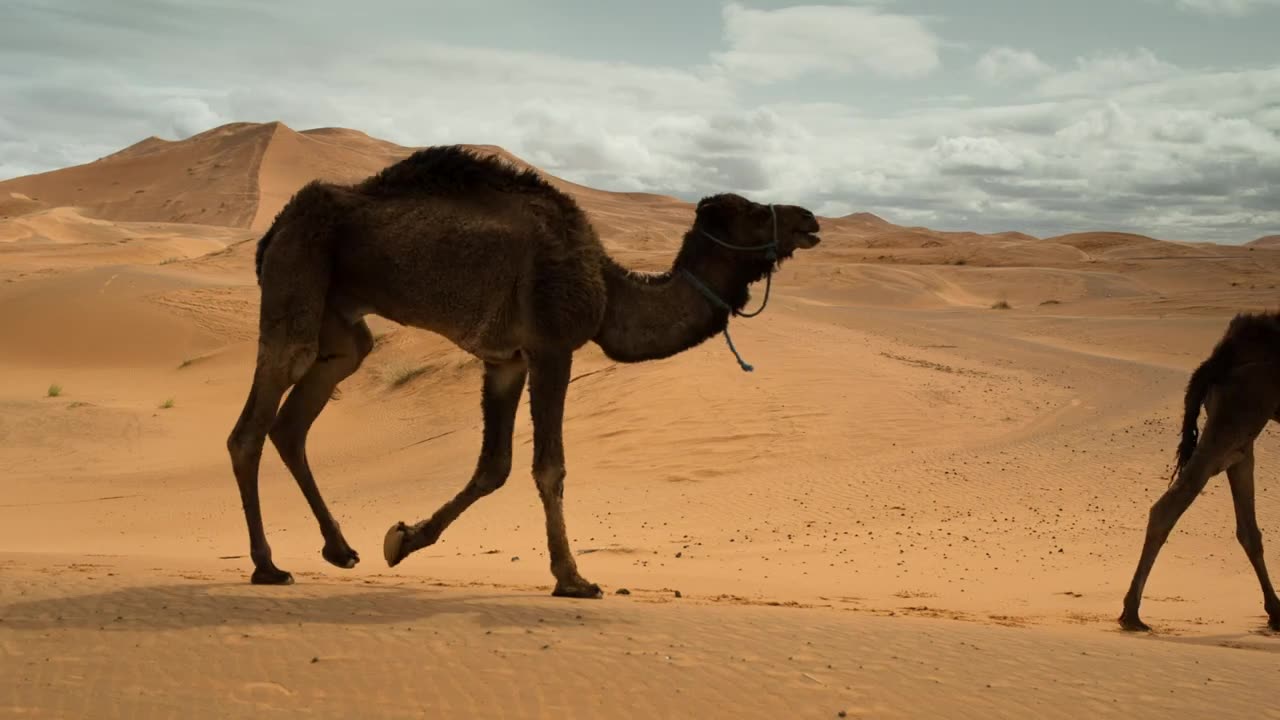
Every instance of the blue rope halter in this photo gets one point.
(771, 252)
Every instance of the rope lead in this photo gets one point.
(771, 249)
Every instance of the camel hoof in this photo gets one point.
(341, 556)
(270, 576)
(393, 544)
(1133, 624)
(583, 590)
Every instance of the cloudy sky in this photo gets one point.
(1157, 116)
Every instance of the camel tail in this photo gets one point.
(1204, 377)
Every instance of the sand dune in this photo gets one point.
(14, 204)
(392, 648)
(928, 495)
(59, 240)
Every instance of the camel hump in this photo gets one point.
(457, 170)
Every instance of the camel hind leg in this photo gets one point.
(279, 366)
(343, 347)
(1227, 432)
(1204, 464)
(295, 278)
(1242, 494)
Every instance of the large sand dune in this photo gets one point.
(918, 504)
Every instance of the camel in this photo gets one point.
(1238, 386)
(508, 268)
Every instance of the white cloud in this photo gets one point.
(1234, 8)
(1120, 140)
(188, 116)
(1191, 156)
(772, 45)
(526, 74)
(978, 155)
(1107, 71)
(1002, 65)
(1107, 121)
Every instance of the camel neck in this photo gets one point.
(649, 317)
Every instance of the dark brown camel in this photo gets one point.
(1239, 387)
(507, 267)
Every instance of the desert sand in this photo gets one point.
(927, 500)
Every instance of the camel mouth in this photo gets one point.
(807, 240)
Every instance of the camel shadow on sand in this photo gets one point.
(179, 606)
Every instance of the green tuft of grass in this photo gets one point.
(55, 390)
(166, 404)
(1001, 305)
(400, 376)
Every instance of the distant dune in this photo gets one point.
(235, 175)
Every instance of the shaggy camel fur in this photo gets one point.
(1239, 388)
(507, 267)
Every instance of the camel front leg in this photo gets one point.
(548, 384)
(503, 384)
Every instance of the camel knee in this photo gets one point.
(242, 450)
(550, 481)
(235, 449)
(1250, 539)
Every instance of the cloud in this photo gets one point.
(1189, 156)
(1234, 8)
(1118, 139)
(978, 156)
(1002, 65)
(773, 45)
(1104, 72)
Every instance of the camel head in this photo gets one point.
(749, 227)
(735, 242)
(739, 242)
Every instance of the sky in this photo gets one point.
(1153, 116)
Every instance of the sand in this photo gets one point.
(917, 505)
